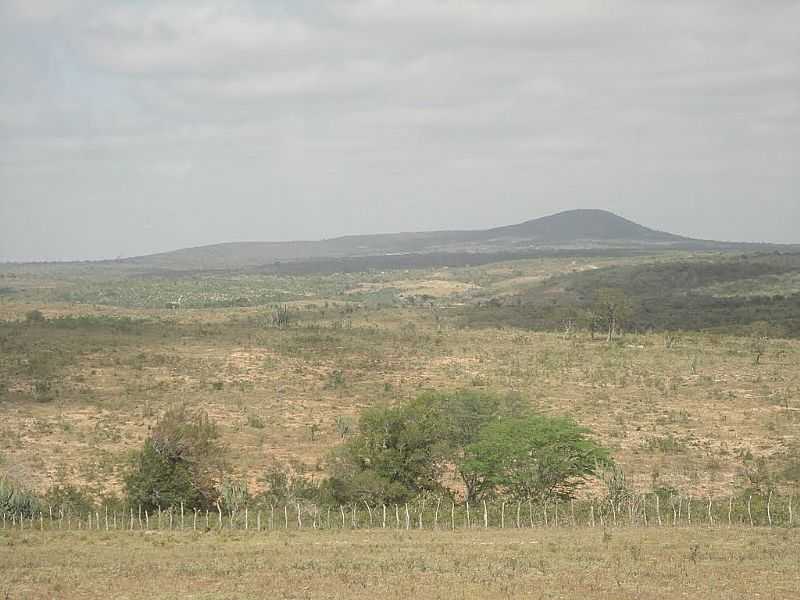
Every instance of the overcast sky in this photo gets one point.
(138, 126)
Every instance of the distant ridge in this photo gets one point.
(582, 229)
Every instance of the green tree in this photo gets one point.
(535, 457)
(405, 450)
(181, 461)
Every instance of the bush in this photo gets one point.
(15, 499)
(34, 316)
(69, 499)
(181, 462)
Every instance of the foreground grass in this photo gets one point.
(592, 563)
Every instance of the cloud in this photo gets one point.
(600, 103)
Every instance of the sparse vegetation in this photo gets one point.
(335, 409)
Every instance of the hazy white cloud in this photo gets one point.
(310, 119)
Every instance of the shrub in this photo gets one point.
(181, 462)
(15, 499)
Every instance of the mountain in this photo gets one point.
(570, 230)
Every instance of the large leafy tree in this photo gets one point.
(535, 457)
(405, 450)
(181, 461)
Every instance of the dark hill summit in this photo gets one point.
(570, 230)
(578, 225)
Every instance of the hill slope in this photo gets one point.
(570, 229)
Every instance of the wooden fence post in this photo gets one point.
(453, 516)
(503, 515)
(436, 514)
(749, 511)
(469, 524)
(769, 512)
(369, 510)
(644, 508)
(384, 517)
(658, 510)
(485, 516)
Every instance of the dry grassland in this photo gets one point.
(618, 564)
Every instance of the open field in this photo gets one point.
(689, 411)
(622, 563)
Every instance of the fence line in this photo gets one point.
(630, 511)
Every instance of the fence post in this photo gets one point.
(341, 508)
(658, 510)
(469, 524)
(769, 512)
(750, 512)
(397, 516)
(246, 518)
(299, 519)
(436, 515)
(453, 516)
(485, 516)
(689, 510)
(730, 510)
(408, 518)
(644, 508)
(518, 507)
(503, 515)
(591, 513)
(384, 517)
(182, 514)
(710, 516)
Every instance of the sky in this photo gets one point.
(139, 126)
